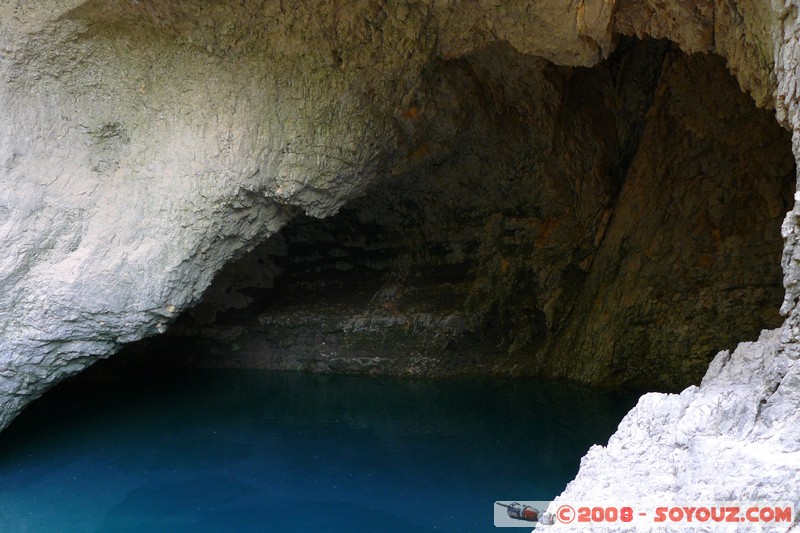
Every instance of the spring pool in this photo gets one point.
(243, 450)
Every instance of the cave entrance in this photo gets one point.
(612, 225)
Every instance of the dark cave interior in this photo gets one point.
(613, 225)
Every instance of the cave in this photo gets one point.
(493, 223)
(614, 225)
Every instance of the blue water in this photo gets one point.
(240, 450)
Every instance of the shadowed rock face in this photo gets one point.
(609, 225)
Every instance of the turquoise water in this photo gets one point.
(240, 450)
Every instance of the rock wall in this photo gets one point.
(607, 225)
(689, 245)
(732, 439)
(145, 143)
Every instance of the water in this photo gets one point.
(262, 451)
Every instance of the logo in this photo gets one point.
(518, 513)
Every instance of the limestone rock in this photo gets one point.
(733, 438)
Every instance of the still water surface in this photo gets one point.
(238, 450)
